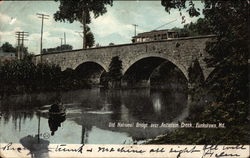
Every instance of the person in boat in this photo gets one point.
(57, 107)
(56, 116)
(54, 108)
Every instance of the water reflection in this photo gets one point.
(157, 104)
(38, 149)
(89, 113)
(55, 122)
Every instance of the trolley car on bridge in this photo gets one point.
(155, 35)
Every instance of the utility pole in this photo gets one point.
(21, 37)
(18, 34)
(24, 34)
(135, 25)
(42, 16)
(61, 43)
(64, 38)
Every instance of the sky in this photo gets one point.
(115, 26)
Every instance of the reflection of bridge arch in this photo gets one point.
(160, 56)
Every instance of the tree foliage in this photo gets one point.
(90, 38)
(72, 10)
(115, 69)
(228, 20)
(64, 47)
(7, 47)
(195, 75)
(200, 27)
(79, 10)
(98, 45)
(181, 4)
(111, 44)
(112, 78)
(23, 76)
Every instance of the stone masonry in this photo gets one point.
(181, 52)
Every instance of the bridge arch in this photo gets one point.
(144, 71)
(90, 61)
(90, 71)
(174, 61)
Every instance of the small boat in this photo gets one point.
(57, 109)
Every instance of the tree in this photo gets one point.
(97, 45)
(79, 10)
(228, 20)
(115, 69)
(90, 38)
(7, 47)
(114, 74)
(180, 4)
(200, 27)
(111, 44)
(195, 74)
(64, 47)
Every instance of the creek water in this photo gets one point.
(91, 115)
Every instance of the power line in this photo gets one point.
(135, 25)
(42, 16)
(81, 34)
(164, 25)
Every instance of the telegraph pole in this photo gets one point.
(135, 25)
(64, 38)
(42, 16)
(18, 34)
(24, 34)
(21, 37)
(61, 43)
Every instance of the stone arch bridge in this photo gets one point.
(182, 52)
